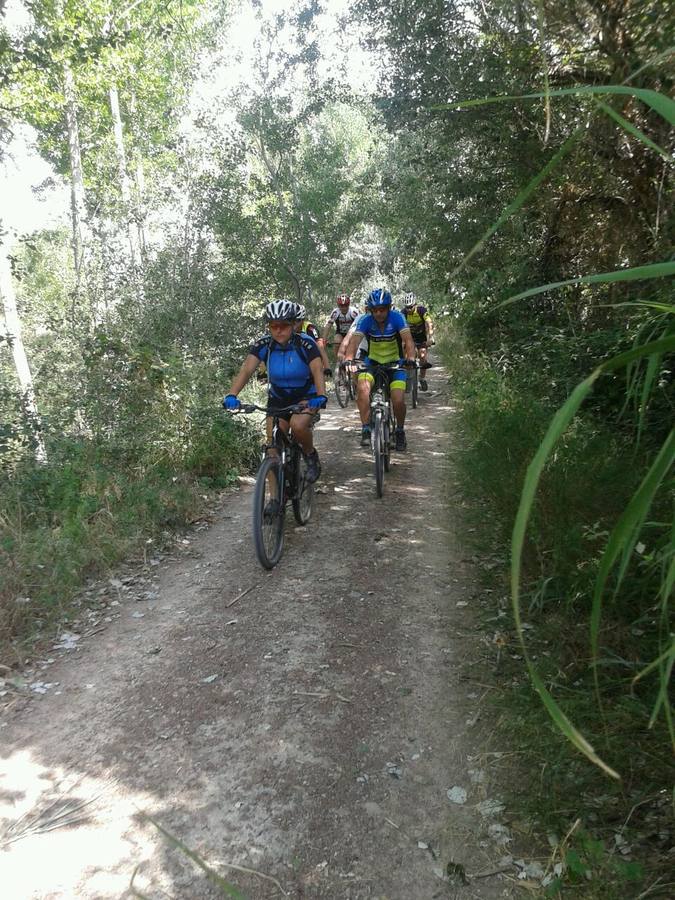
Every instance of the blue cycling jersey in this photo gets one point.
(288, 369)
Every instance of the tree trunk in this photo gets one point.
(124, 182)
(139, 179)
(14, 338)
(77, 196)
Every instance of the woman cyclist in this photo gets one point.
(295, 376)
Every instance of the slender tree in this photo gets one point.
(13, 335)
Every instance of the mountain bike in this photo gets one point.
(382, 424)
(280, 478)
(344, 387)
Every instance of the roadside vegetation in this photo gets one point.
(541, 205)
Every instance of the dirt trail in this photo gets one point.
(310, 731)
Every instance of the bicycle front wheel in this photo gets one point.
(414, 387)
(302, 503)
(342, 391)
(377, 437)
(268, 513)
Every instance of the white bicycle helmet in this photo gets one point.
(409, 300)
(302, 311)
(281, 311)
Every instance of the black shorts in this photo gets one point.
(275, 404)
(419, 340)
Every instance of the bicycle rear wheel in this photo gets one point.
(302, 502)
(342, 390)
(268, 513)
(377, 437)
(414, 387)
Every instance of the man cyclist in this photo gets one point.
(342, 317)
(304, 326)
(295, 375)
(389, 339)
(421, 329)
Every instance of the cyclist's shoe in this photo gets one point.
(271, 510)
(423, 384)
(365, 435)
(401, 442)
(313, 467)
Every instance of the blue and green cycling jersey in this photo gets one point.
(384, 342)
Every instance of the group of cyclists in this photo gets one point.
(294, 356)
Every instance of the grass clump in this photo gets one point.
(608, 839)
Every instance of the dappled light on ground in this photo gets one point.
(63, 825)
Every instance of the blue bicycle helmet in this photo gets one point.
(378, 297)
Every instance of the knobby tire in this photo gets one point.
(342, 387)
(268, 529)
(302, 502)
(378, 437)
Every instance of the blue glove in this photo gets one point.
(318, 402)
(231, 402)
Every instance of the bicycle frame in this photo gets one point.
(279, 479)
(285, 446)
(381, 418)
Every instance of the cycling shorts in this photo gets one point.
(397, 379)
(290, 398)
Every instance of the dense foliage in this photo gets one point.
(599, 550)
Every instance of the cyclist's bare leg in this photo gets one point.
(302, 432)
(363, 399)
(398, 405)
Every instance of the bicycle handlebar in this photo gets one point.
(358, 366)
(295, 408)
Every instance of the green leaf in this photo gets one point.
(574, 863)
(637, 273)
(625, 533)
(631, 129)
(660, 103)
(557, 427)
(217, 879)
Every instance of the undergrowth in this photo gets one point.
(94, 503)
(608, 839)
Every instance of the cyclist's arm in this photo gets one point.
(324, 356)
(342, 349)
(408, 344)
(429, 327)
(326, 329)
(248, 367)
(353, 345)
(316, 367)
